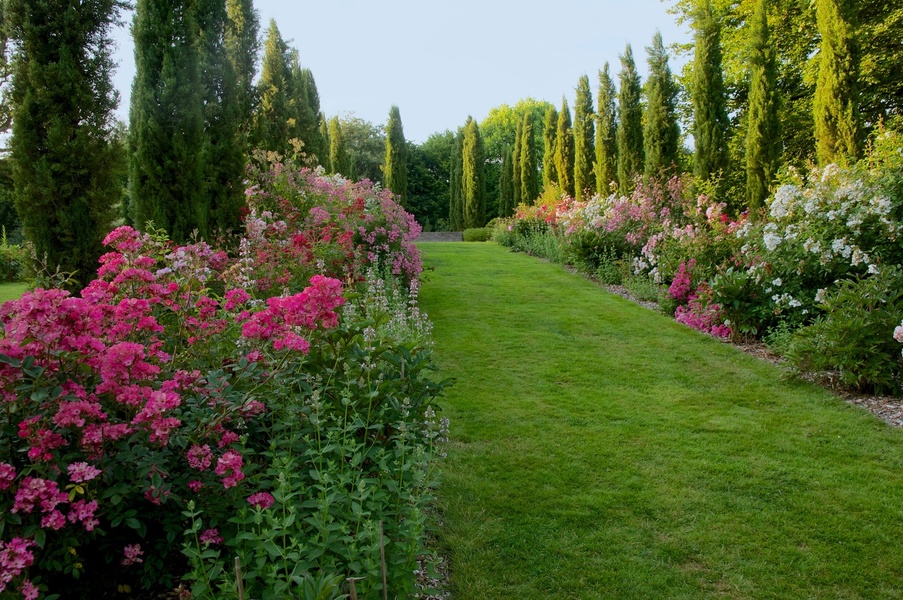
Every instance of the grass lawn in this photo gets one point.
(599, 450)
(12, 291)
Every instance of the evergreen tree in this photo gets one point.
(166, 130)
(273, 119)
(311, 118)
(339, 158)
(396, 165)
(835, 106)
(584, 136)
(529, 179)
(325, 144)
(606, 168)
(243, 48)
(64, 167)
(456, 202)
(506, 184)
(710, 123)
(517, 187)
(661, 134)
(223, 160)
(630, 124)
(550, 127)
(473, 182)
(564, 150)
(763, 137)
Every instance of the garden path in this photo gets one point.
(600, 450)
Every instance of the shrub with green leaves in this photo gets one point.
(479, 234)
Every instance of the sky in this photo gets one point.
(441, 61)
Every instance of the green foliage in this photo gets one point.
(396, 164)
(584, 136)
(473, 183)
(710, 122)
(853, 338)
(564, 149)
(326, 143)
(529, 177)
(166, 121)
(242, 48)
(479, 234)
(455, 194)
(13, 261)
(506, 185)
(642, 288)
(274, 111)
(64, 167)
(763, 139)
(835, 106)
(517, 188)
(305, 106)
(366, 146)
(429, 170)
(549, 129)
(661, 133)
(339, 159)
(630, 124)
(606, 166)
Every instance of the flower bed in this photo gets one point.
(190, 407)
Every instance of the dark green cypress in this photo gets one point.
(243, 49)
(64, 166)
(630, 124)
(549, 128)
(325, 144)
(606, 134)
(339, 158)
(273, 117)
(835, 107)
(529, 176)
(763, 136)
(456, 203)
(516, 186)
(564, 150)
(473, 181)
(584, 138)
(310, 116)
(661, 133)
(166, 120)
(224, 149)
(396, 165)
(710, 123)
(506, 184)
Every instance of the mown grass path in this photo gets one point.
(599, 450)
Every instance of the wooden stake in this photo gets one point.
(238, 580)
(352, 588)
(382, 551)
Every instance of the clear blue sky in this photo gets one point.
(442, 60)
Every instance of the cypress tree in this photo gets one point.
(710, 124)
(661, 134)
(473, 181)
(763, 137)
(606, 134)
(630, 124)
(166, 130)
(64, 166)
(529, 180)
(506, 184)
(456, 203)
(273, 118)
(339, 158)
(311, 130)
(223, 160)
(516, 185)
(834, 106)
(396, 165)
(564, 150)
(243, 48)
(550, 127)
(325, 144)
(584, 136)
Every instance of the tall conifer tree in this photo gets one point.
(325, 144)
(529, 179)
(63, 159)
(312, 132)
(834, 106)
(710, 123)
(456, 199)
(396, 165)
(661, 134)
(273, 118)
(763, 137)
(564, 150)
(473, 181)
(516, 185)
(506, 184)
(339, 157)
(584, 137)
(630, 124)
(549, 128)
(606, 166)
(243, 49)
(166, 120)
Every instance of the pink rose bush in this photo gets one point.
(172, 377)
